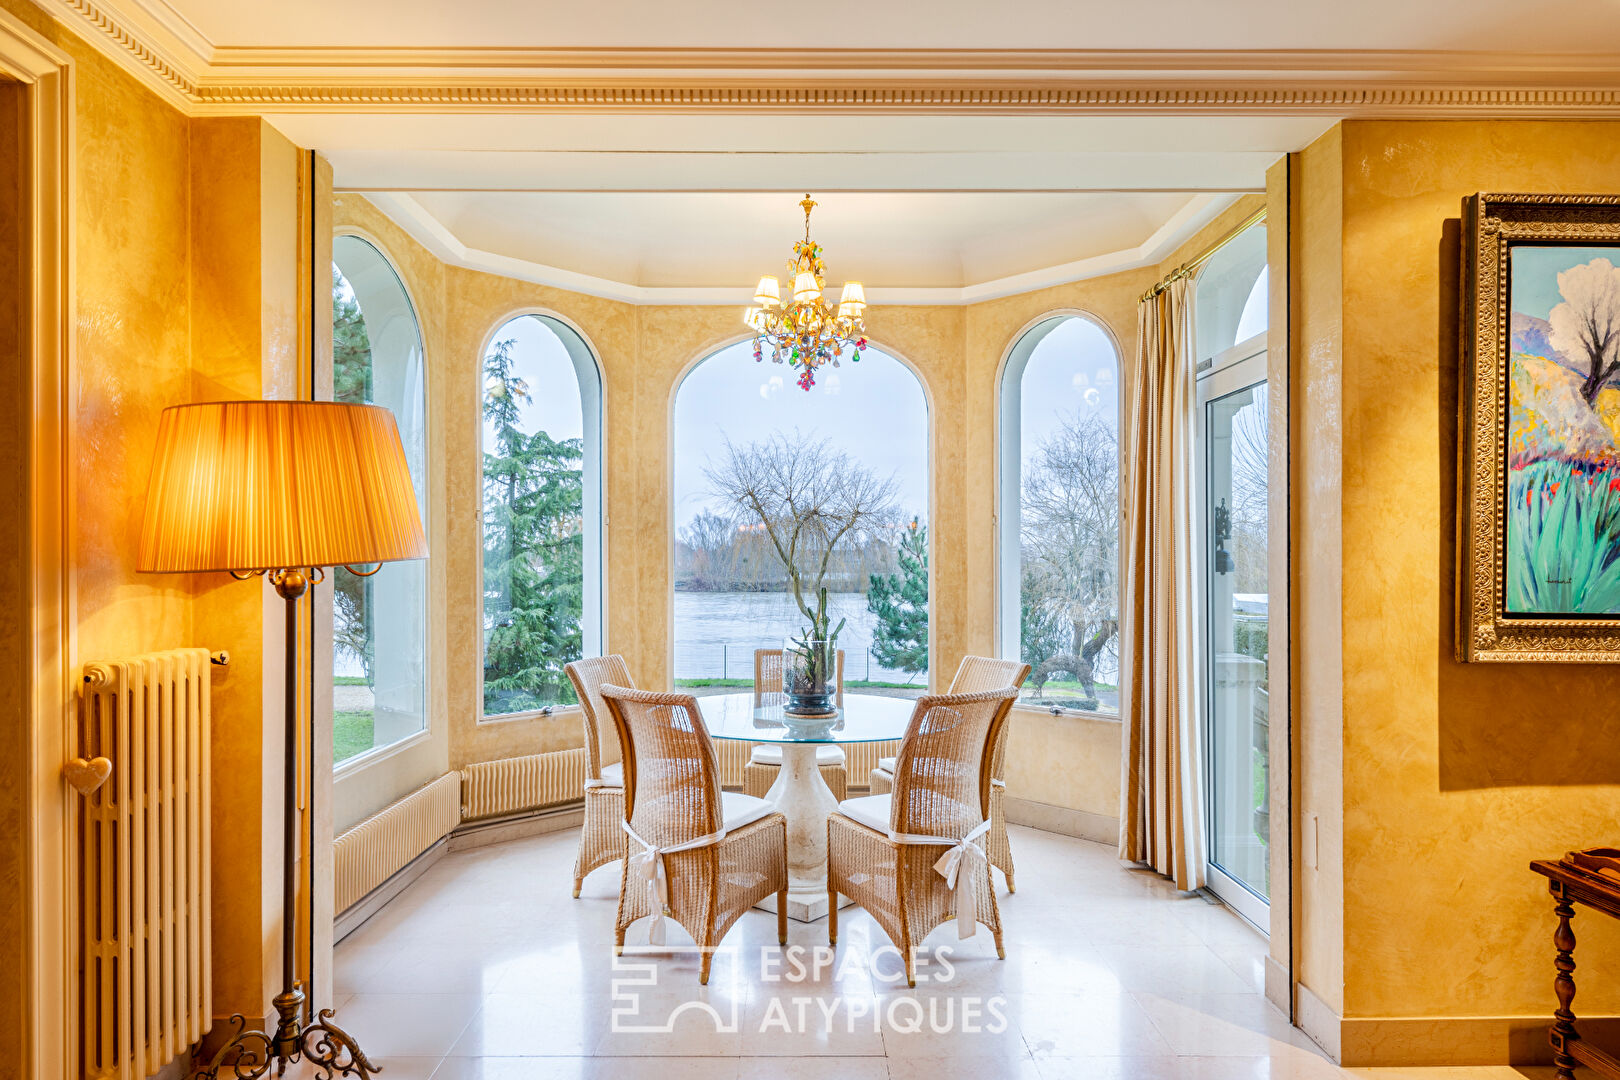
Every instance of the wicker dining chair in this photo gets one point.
(976, 674)
(601, 840)
(765, 759)
(884, 851)
(695, 853)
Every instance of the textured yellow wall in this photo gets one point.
(1455, 776)
(152, 282)
(1318, 438)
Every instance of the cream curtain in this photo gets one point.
(1161, 819)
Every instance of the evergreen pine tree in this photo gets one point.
(351, 382)
(900, 602)
(534, 550)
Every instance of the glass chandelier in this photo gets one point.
(805, 332)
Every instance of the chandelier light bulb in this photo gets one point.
(768, 293)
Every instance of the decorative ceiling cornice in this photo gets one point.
(154, 42)
(949, 100)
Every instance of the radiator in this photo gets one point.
(379, 847)
(530, 782)
(145, 987)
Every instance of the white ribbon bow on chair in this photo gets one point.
(960, 867)
(649, 865)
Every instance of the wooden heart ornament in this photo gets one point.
(86, 776)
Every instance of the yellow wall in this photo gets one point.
(1454, 776)
(184, 265)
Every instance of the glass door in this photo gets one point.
(1233, 428)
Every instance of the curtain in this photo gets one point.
(1161, 820)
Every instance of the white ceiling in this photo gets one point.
(1497, 25)
(922, 209)
(719, 240)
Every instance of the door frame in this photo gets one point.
(1242, 366)
(46, 74)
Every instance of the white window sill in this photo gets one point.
(378, 754)
(1063, 713)
(551, 712)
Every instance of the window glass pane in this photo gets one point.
(535, 494)
(1230, 296)
(379, 623)
(1235, 513)
(1068, 518)
(733, 592)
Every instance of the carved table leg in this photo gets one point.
(1563, 1029)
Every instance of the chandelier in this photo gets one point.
(805, 332)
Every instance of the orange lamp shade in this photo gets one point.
(272, 485)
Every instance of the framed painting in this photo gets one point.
(1538, 487)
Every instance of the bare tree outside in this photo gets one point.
(810, 502)
(1587, 323)
(1070, 539)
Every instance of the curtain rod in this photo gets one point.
(1204, 256)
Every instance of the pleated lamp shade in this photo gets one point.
(272, 485)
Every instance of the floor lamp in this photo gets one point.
(284, 489)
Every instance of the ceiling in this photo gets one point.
(893, 240)
(696, 208)
(1503, 25)
(962, 150)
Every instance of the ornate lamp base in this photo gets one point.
(328, 1048)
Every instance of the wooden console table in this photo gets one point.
(1571, 885)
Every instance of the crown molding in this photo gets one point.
(161, 47)
(409, 214)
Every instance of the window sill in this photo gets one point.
(1058, 712)
(377, 755)
(551, 712)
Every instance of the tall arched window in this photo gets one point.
(379, 623)
(1060, 513)
(861, 434)
(541, 411)
(1230, 296)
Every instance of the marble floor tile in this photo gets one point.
(485, 968)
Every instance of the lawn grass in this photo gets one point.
(351, 734)
(350, 680)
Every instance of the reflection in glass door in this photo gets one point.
(1233, 401)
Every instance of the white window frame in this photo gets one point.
(588, 375)
(1009, 485)
(379, 754)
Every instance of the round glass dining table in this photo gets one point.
(799, 792)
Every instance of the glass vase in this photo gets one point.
(809, 677)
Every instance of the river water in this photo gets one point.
(716, 634)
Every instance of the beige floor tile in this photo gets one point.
(408, 1025)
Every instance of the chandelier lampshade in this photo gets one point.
(806, 333)
(268, 485)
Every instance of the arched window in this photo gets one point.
(858, 439)
(1060, 513)
(379, 623)
(542, 408)
(1230, 296)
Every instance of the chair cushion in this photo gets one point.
(887, 764)
(871, 811)
(613, 775)
(738, 809)
(771, 754)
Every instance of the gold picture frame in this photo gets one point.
(1523, 437)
